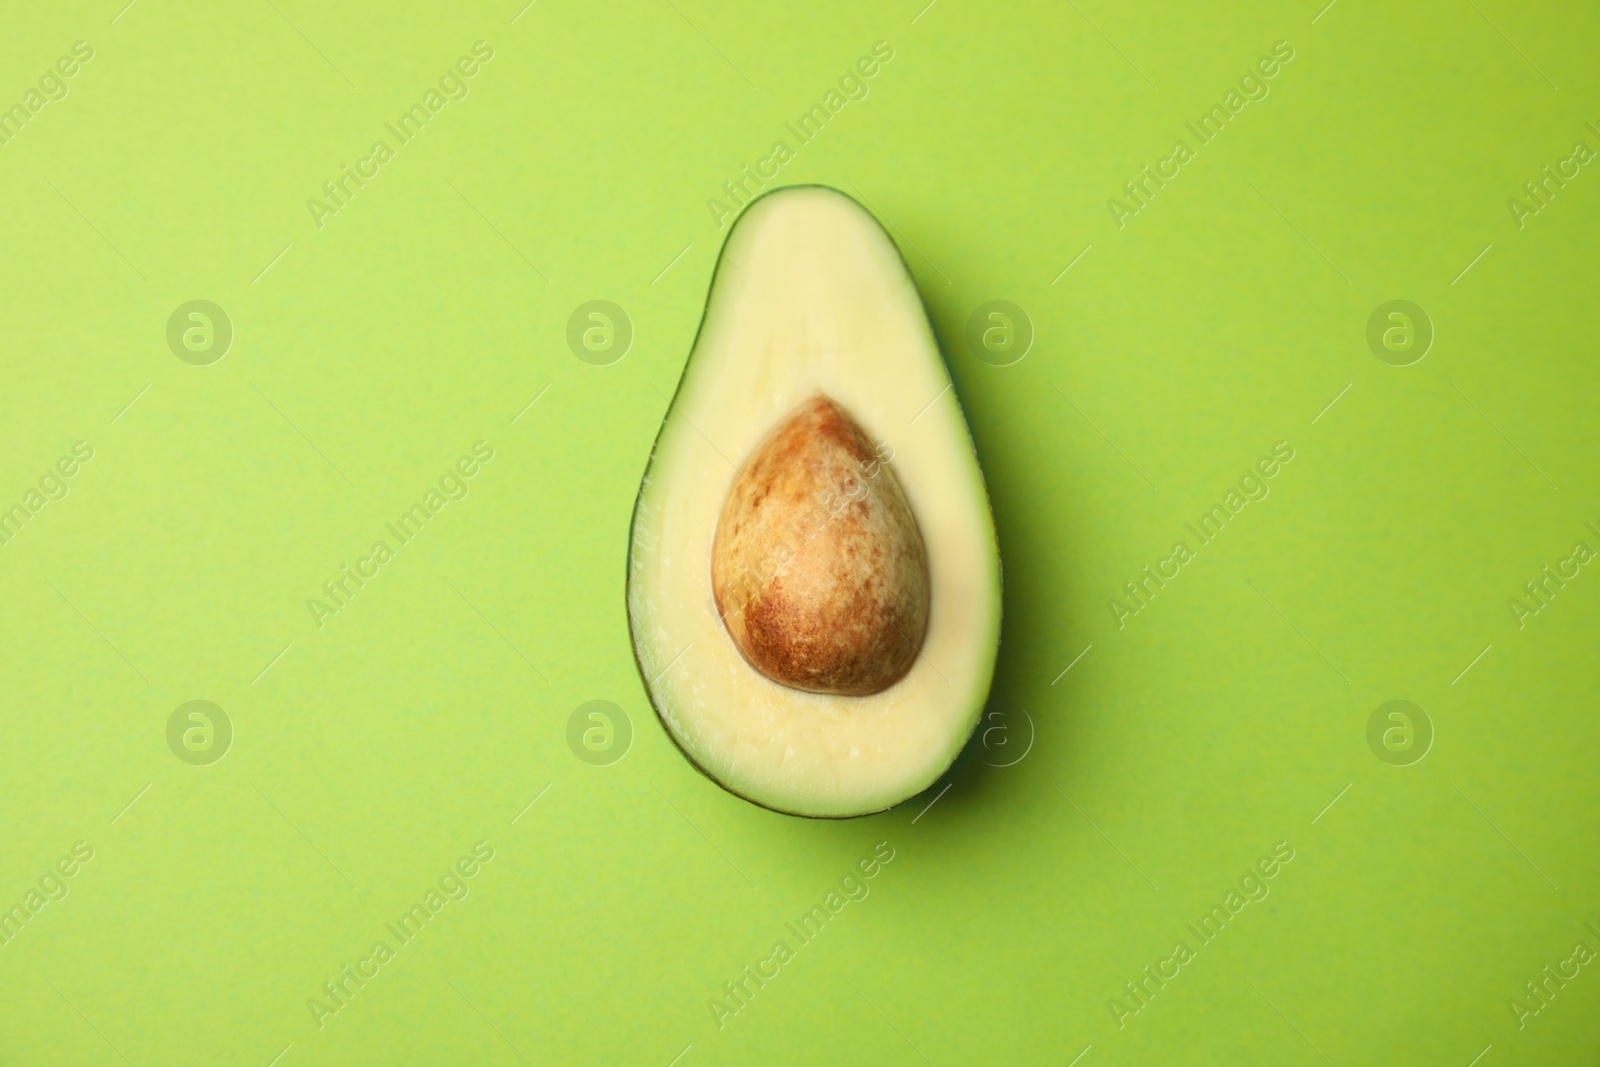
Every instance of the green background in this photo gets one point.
(369, 354)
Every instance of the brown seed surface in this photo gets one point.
(818, 566)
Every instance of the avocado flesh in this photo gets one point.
(811, 298)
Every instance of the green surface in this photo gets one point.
(371, 754)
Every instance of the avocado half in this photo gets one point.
(805, 644)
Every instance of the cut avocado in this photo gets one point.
(813, 578)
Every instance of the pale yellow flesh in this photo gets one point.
(810, 295)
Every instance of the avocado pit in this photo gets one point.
(818, 567)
